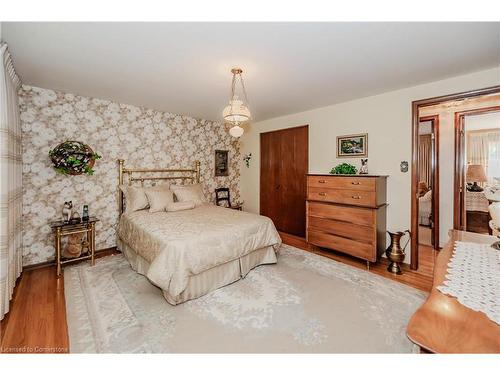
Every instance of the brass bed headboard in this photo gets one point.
(173, 174)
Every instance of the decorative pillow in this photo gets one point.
(159, 198)
(180, 206)
(135, 198)
(189, 193)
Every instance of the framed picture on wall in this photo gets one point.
(352, 146)
(221, 163)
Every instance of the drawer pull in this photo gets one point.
(322, 194)
(356, 183)
(356, 197)
(322, 181)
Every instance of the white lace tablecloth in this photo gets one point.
(474, 278)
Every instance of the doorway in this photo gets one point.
(428, 181)
(452, 196)
(284, 165)
(477, 167)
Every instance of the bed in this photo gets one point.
(425, 209)
(192, 252)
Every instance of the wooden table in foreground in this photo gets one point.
(444, 325)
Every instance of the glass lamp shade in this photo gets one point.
(236, 112)
(236, 131)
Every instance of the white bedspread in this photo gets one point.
(185, 243)
(476, 201)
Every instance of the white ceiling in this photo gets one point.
(184, 68)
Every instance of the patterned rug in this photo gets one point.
(304, 304)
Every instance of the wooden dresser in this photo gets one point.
(347, 214)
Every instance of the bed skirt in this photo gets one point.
(209, 280)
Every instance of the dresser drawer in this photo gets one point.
(337, 182)
(343, 229)
(344, 196)
(354, 215)
(359, 249)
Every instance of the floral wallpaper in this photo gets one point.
(143, 137)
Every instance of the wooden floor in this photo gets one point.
(36, 322)
(420, 279)
(37, 319)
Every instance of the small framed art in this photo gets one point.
(221, 163)
(352, 146)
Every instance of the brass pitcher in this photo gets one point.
(395, 253)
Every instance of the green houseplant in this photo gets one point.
(344, 168)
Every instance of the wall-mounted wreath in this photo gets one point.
(73, 158)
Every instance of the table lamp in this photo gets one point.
(475, 174)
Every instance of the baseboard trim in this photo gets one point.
(293, 240)
(51, 263)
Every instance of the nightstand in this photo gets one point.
(61, 228)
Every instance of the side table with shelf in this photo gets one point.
(61, 228)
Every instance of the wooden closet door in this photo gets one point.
(270, 157)
(284, 165)
(293, 185)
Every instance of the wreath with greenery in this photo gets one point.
(73, 158)
(344, 168)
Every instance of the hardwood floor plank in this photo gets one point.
(36, 322)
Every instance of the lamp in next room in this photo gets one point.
(475, 174)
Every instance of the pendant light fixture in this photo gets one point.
(237, 111)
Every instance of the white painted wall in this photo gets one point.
(387, 120)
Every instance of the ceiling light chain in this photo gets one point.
(243, 88)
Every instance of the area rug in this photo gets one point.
(304, 304)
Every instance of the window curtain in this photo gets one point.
(493, 170)
(483, 147)
(425, 159)
(11, 181)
